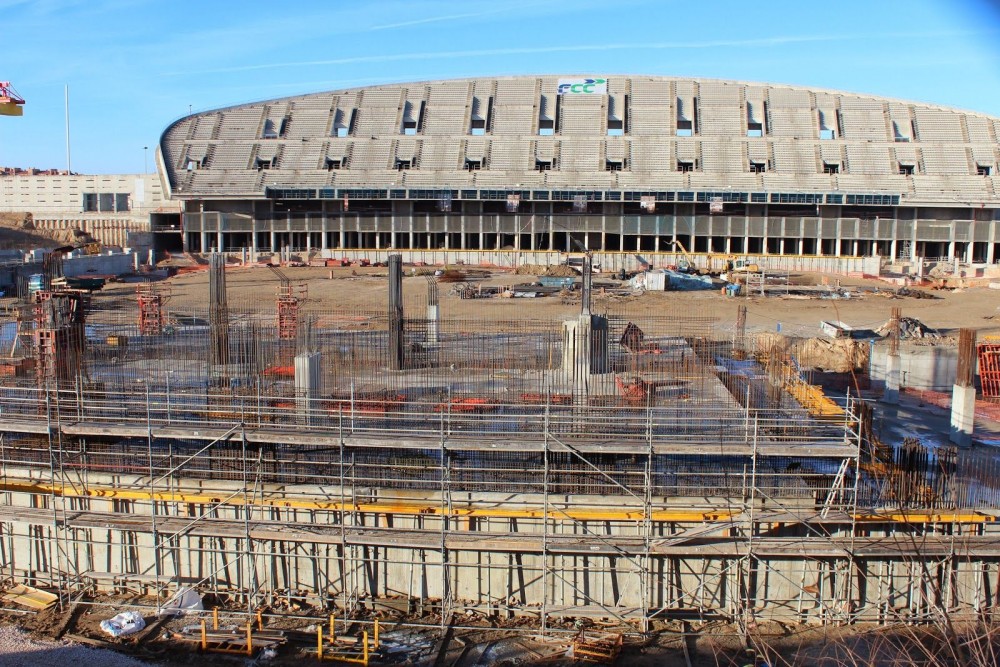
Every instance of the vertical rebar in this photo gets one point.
(396, 356)
(966, 357)
(218, 314)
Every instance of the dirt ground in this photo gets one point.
(365, 290)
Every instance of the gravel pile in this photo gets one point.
(19, 650)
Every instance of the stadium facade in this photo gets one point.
(616, 164)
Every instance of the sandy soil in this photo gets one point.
(365, 290)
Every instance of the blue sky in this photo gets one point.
(134, 66)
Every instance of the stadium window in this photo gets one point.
(613, 165)
(479, 117)
(283, 130)
(685, 118)
(269, 131)
(262, 164)
(411, 121)
(983, 170)
(616, 122)
(121, 201)
(755, 128)
(193, 164)
(757, 167)
(685, 167)
(342, 123)
(831, 168)
(332, 164)
(89, 202)
(106, 202)
(548, 113)
(543, 165)
(905, 169)
(899, 133)
(403, 164)
(826, 128)
(473, 165)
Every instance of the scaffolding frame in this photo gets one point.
(402, 469)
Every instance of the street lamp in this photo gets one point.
(145, 159)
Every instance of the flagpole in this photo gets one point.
(69, 166)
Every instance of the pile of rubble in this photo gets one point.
(557, 270)
(909, 329)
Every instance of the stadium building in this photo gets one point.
(619, 165)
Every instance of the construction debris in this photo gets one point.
(123, 624)
(185, 601)
(836, 356)
(541, 270)
(26, 596)
(909, 328)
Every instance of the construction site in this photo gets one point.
(622, 465)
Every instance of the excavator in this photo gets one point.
(10, 102)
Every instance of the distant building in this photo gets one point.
(617, 164)
(111, 208)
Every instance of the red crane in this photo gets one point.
(10, 101)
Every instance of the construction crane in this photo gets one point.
(10, 102)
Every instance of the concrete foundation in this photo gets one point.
(310, 550)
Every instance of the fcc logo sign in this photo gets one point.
(583, 86)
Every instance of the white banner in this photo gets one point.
(583, 86)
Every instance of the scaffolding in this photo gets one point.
(498, 468)
(151, 299)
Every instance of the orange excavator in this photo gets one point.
(10, 102)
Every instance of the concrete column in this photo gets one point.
(433, 317)
(963, 411)
(585, 351)
(219, 243)
(274, 242)
(204, 241)
(963, 395)
(308, 383)
(324, 243)
(892, 377)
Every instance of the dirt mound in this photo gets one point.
(558, 270)
(825, 354)
(909, 328)
(17, 230)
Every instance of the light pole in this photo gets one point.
(145, 159)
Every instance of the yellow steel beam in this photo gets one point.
(430, 508)
(385, 507)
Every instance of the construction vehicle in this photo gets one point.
(686, 264)
(735, 266)
(10, 102)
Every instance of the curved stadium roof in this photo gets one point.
(642, 133)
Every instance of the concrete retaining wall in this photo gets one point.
(314, 564)
(921, 367)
